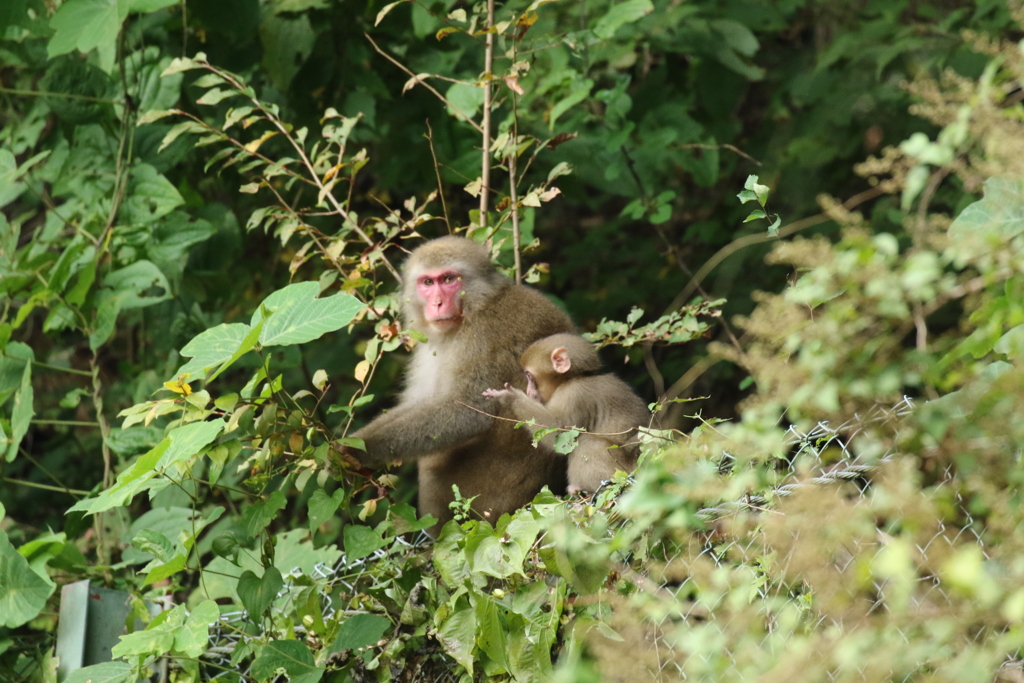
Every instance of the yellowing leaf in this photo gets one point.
(362, 368)
(255, 144)
(384, 12)
(332, 172)
(369, 507)
(180, 385)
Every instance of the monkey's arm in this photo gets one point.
(410, 431)
(516, 405)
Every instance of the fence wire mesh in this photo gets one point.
(691, 629)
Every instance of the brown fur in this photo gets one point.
(601, 404)
(452, 443)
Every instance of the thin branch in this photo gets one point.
(426, 85)
(437, 172)
(97, 400)
(731, 248)
(61, 95)
(515, 216)
(57, 368)
(684, 382)
(581, 430)
(652, 369)
(46, 487)
(727, 146)
(485, 161)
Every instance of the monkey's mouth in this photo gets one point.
(446, 323)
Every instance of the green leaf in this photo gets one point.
(130, 482)
(405, 519)
(182, 443)
(154, 92)
(139, 285)
(216, 95)
(192, 639)
(464, 100)
(108, 306)
(155, 639)
(984, 227)
(754, 215)
(162, 571)
(384, 12)
(248, 344)
(22, 413)
(449, 559)
(146, 6)
(23, 593)
(298, 5)
(181, 128)
(256, 593)
(287, 44)
(492, 635)
(188, 440)
(165, 522)
(292, 656)
(172, 238)
(621, 13)
(150, 196)
(88, 24)
(762, 193)
(294, 550)
(738, 36)
(10, 185)
(13, 360)
(107, 672)
(360, 630)
(322, 507)
(1011, 343)
(566, 441)
(154, 543)
(501, 552)
(212, 347)
(300, 317)
(458, 635)
(579, 91)
(256, 517)
(361, 541)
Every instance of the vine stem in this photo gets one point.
(515, 215)
(485, 162)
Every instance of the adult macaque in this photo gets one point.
(563, 391)
(477, 323)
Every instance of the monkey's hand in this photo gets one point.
(509, 390)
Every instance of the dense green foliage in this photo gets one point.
(807, 216)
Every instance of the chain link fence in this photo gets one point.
(695, 632)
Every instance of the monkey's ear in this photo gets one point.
(560, 362)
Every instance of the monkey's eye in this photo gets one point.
(428, 281)
(448, 279)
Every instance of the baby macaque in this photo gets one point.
(562, 390)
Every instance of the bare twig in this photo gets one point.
(437, 172)
(485, 161)
(731, 148)
(515, 216)
(426, 85)
(684, 382)
(734, 246)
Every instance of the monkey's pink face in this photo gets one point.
(441, 294)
